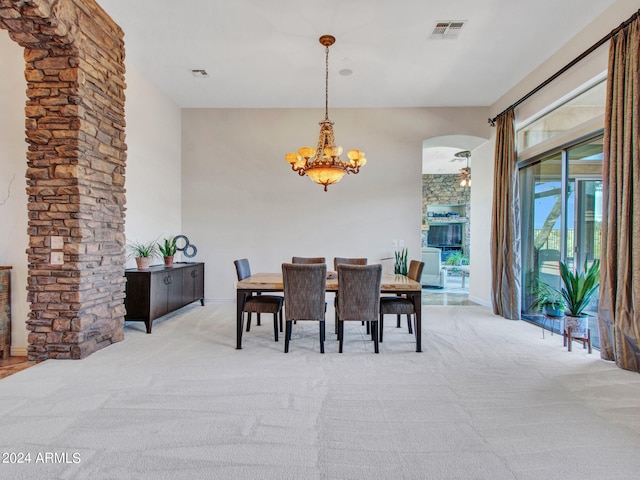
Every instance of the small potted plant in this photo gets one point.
(548, 300)
(143, 253)
(456, 261)
(168, 249)
(577, 290)
(400, 265)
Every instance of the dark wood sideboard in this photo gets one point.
(160, 290)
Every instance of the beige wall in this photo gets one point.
(481, 205)
(241, 199)
(13, 197)
(153, 184)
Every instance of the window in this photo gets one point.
(580, 110)
(561, 209)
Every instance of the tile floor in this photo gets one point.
(452, 294)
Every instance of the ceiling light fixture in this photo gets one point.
(465, 172)
(323, 164)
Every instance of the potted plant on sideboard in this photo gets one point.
(577, 290)
(168, 249)
(143, 253)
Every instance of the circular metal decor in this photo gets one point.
(190, 250)
(186, 242)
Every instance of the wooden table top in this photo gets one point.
(273, 281)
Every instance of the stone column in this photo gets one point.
(74, 56)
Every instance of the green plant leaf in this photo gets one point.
(579, 286)
(168, 247)
(142, 249)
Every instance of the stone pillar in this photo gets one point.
(74, 56)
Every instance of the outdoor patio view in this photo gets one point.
(561, 198)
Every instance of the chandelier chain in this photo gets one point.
(326, 83)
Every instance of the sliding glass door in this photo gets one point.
(542, 240)
(561, 208)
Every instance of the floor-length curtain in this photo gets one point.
(505, 222)
(619, 308)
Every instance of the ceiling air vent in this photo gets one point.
(447, 29)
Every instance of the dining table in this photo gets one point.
(272, 282)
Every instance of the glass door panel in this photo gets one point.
(584, 212)
(584, 209)
(541, 197)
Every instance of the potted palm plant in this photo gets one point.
(143, 252)
(168, 249)
(577, 290)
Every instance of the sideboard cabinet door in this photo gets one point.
(193, 284)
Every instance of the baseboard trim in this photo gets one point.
(18, 351)
(480, 301)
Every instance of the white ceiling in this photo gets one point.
(266, 54)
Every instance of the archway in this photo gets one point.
(446, 220)
(74, 69)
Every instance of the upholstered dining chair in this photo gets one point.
(399, 305)
(259, 303)
(345, 261)
(359, 297)
(308, 260)
(304, 291)
(348, 261)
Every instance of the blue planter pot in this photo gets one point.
(553, 310)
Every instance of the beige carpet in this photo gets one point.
(487, 399)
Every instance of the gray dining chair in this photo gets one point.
(348, 261)
(400, 305)
(345, 261)
(259, 303)
(308, 260)
(359, 297)
(304, 292)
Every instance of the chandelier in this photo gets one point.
(465, 172)
(323, 164)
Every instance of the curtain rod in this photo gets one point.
(590, 50)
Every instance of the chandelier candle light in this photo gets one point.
(323, 164)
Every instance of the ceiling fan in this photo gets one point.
(465, 172)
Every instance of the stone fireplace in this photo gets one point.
(444, 201)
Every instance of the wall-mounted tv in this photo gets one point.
(445, 235)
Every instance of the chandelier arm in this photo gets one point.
(300, 170)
